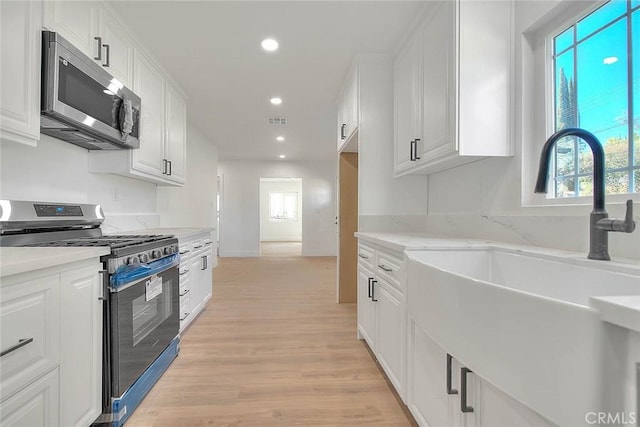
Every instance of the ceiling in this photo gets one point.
(212, 49)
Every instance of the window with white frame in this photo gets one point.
(283, 206)
(596, 72)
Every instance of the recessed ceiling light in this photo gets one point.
(282, 156)
(280, 138)
(269, 45)
(276, 101)
(610, 60)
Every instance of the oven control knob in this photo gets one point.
(169, 250)
(132, 260)
(143, 258)
(155, 254)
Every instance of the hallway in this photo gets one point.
(272, 348)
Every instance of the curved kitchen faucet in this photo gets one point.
(600, 224)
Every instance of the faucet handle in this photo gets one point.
(625, 226)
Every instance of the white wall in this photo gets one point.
(194, 204)
(484, 199)
(279, 230)
(57, 171)
(240, 205)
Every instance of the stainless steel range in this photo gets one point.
(141, 293)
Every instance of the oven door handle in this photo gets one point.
(130, 273)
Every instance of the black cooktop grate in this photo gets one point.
(114, 242)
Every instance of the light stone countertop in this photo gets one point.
(620, 310)
(176, 231)
(21, 260)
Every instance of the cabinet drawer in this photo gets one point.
(34, 406)
(388, 266)
(185, 286)
(197, 245)
(366, 256)
(184, 307)
(30, 331)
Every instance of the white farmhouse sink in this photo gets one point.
(523, 322)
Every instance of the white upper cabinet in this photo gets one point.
(117, 47)
(406, 69)
(348, 111)
(462, 52)
(161, 157)
(20, 46)
(94, 29)
(149, 85)
(176, 146)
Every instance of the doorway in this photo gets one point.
(280, 217)
(347, 226)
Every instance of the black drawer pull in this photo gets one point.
(373, 290)
(185, 316)
(363, 256)
(449, 389)
(21, 343)
(185, 293)
(385, 268)
(463, 398)
(182, 273)
(370, 279)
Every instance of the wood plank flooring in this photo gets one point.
(273, 348)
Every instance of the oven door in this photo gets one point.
(144, 319)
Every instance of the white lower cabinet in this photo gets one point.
(51, 341)
(35, 405)
(381, 312)
(196, 277)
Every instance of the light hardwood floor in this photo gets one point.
(272, 348)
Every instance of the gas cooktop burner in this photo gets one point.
(114, 242)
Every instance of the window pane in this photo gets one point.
(637, 185)
(564, 40)
(600, 17)
(602, 95)
(276, 205)
(565, 91)
(565, 187)
(617, 182)
(565, 157)
(616, 151)
(585, 158)
(586, 186)
(635, 22)
(635, 3)
(290, 205)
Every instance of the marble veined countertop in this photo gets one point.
(21, 260)
(620, 310)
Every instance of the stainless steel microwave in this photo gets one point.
(82, 103)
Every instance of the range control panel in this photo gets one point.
(57, 210)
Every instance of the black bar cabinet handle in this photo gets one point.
(170, 168)
(107, 50)
(411, 147)
(363, 256)
(449, 389)
(182, 273)
(370, 279)
(463, 398)
(185, 316)
(385, 268)
(415, 156)
(343, 131)
(164, 166)
(21, 343)
(373, 290)
(186, 292)
(99, 57)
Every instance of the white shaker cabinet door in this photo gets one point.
(366, 309)
(176, 147)
(117, 48)
(81, 349)
(149, 85)
(20, 46)
(390, 333)
(76, 21)
(34, 406)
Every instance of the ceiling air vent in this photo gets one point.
(278, 121)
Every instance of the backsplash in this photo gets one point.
(58, 171)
